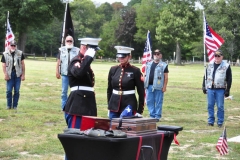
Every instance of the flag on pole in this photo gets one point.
(9, 35)
(67, 25)
(147, 54)
(212, 40)
(222, 145)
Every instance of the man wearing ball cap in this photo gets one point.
(122, 81)
(81, 100)
(217, 83)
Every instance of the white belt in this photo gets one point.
(123, 92)
(84, 88)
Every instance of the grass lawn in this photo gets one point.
(31, 133)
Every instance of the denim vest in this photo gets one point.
(220, 75)
(158, 79)
(65, 58)
(17, 62)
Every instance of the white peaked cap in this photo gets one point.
(90, 41)
(123, 49)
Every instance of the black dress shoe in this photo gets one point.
(210, 124)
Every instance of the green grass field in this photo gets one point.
(31, 133)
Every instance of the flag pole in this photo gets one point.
(6, 31)
(204, 30)
(6, 38)
(204, 49)
(7, 20)
(64, 24)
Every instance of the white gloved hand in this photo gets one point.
(90, 52)
(138, 115)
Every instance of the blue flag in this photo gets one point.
(127, 112)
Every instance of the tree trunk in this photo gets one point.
(178, 54)
(22, 41)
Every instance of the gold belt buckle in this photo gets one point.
(120, 92)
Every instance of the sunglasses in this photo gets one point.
(217, 56)
(156, 53)
(68, 41)
(13, 45)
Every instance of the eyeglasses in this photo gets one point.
(68, 41)
(13, 45)
(156, 53)
(217, 55)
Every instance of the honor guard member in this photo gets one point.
(81, 101)
(122, 81)
(66, 53)
(155, 83)
(216, 84)
(14, 72)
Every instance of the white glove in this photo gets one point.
(138, 115)
(90, 52)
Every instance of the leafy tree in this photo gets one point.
(30, 14)
(133, 2)
(108, 37)
(84, 18)
(117, 6)
(178, 24)
(106, 10)
(127, 28)
(45, 40)
(126, 31)
(224, 17)
(146, 19)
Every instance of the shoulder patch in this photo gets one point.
(77, 64)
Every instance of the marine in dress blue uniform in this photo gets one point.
(81, 100)
(123, 79)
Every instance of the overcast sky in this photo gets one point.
(124, 2)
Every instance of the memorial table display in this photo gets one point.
(81, 147)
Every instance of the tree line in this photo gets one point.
(175, 25)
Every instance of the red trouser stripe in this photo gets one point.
(139, 147)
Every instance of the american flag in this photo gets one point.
(147, 55)
(222, 145)
(212, 41)
(9, 35)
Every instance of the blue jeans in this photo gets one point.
(65, 83)
(14, 82)
(215, 96)
(154, 101)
